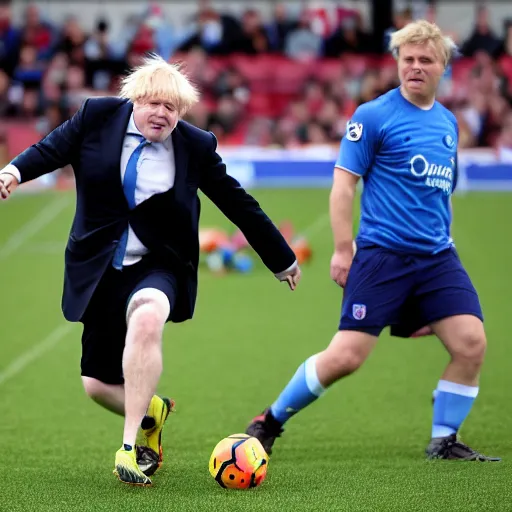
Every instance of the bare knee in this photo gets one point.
(147, 313)
(347, 361)
(464, 339)
(146, 321)
(470, 347)
(346, 353)
(94, 388)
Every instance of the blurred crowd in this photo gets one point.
(292, 80)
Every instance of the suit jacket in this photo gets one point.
(166, 223)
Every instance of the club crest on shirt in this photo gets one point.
(354, 131)
(448, 141)
(358, 311)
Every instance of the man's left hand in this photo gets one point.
(291, 276)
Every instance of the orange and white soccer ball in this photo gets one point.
(239, 462)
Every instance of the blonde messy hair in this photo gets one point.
(420, 32)
(155, 78)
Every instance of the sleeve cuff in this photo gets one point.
(12, 169)
(284, 273)
(338, 166)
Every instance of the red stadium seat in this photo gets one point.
(259, 104)
(461, 69)
(289, 75)
(355, 65)
(255, 69)
(327, 70)
(506, 66)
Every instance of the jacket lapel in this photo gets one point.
(180, 159)
(112, 137)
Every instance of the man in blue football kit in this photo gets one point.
(405, 272)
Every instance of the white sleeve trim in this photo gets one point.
(284, 273)
(348, 170)
(13, 170)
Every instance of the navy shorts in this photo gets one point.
(406, 292)
(104, 321)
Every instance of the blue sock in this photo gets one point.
(451, 407)
(303, 388)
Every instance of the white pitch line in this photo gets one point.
(46, 248)
(35, 352)
(41, 220)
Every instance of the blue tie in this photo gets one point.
(129, 185)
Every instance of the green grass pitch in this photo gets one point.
(359, 448)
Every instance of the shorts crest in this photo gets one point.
(358, 311)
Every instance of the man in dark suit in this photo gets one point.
(132, 255)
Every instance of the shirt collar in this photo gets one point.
(133, 130)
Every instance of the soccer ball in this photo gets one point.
(239, 462)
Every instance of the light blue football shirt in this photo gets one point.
(407, 158)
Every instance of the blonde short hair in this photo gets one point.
(420, 32)
(157, 79)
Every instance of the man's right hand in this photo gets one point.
(340, 265)
(8, 184)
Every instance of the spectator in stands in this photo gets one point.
(196, 65)
(467, 138)
(123, 38)
(165, 35)
(99, 57)
(4, 94)
(302, 43)
(506, 48)
(285, 133)
(236, 100)
(29, 71)
(316, 134)
(388, 79)
(55, 77)
(329, 118)
(253, 38)
(430, 15)
(504, 142)
(74, 90)
(225, 118)
(400, 19)
(370, 87)
(29, 107)
(473, 111)
(313, 96)
(72, 41)
(350, 37)
(279, 27)
(9, 40)
(199, 115)
(497, 112)
(482, 38)
(37, 33)
(216, 34)
(230, 82)
(143, 42)
(51, 118)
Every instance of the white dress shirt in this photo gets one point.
(155, 174)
